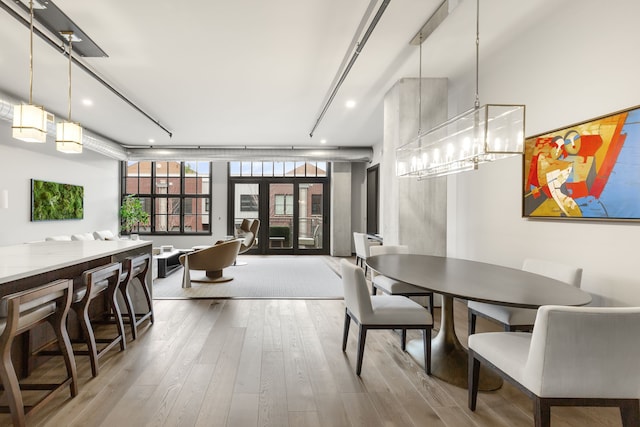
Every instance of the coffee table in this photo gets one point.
(168, 262)
(470, 280)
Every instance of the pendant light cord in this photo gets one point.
(30, 52)
(70, 35)
(420, 89)
(477, 102)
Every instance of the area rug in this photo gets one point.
(273, 276)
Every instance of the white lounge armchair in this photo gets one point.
(576, 356)
(212, 260)
(522, 319)
(248, 236)
(310, 241)
(380, 312)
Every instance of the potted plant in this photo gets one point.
(132, 213)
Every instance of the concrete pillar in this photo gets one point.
(340, 224)
(413, 212)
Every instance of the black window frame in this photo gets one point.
(181, 197)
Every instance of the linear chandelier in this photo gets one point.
(482, 134)
(30, 121)
(68, 133)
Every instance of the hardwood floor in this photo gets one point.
(276, 363)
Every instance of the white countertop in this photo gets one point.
(29, 259)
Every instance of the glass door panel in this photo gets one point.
(246, 204)
(310, 215)
(281, 215)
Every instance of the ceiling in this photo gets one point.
(247, 72)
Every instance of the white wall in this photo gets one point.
(582, 63)
(99, 175)
(23, 161)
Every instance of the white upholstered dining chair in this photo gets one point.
(576, 356)
(380, 312)
(513, 318)
(392, 286)
(362, 244)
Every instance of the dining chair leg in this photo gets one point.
(147, 295)
(473, 381)
(472, 322)
(345, 333)
(59, 325)
(630, 413)
(124, 291)
(12, 386)
(541, 412)
(89, 338)
(362, 337)
(403, 339)
(112, 293)
(426, 337)
(431, 303)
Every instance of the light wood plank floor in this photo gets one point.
(276, 363)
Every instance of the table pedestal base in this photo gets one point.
(449, 359)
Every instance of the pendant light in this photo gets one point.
(30, 121)
(68, 133)
(480, 135)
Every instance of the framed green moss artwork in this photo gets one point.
(55, 201)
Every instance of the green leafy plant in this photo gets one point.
(53, 201)
(132, 213)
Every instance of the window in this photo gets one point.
(248, 202)
(188, 206)
(278, 169)
(177, 195)
(316, 204)
(283, 204)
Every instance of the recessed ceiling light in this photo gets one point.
(323, 141)
(151, 140)
(87, 102)
(350, 103)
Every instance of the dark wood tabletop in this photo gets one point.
(478, 281)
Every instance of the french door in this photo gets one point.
(292, 213)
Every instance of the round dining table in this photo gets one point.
(470, 280)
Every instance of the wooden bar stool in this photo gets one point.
(20, 312)
(98, 281)
(136, 267)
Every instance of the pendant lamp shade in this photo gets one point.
(29, 123)
(69, 137)
(480, 135)
(68, 133)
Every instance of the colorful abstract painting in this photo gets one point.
(590, 170)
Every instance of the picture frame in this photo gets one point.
(586, 171)
(56, 201)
